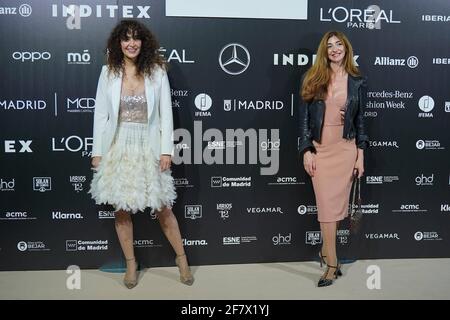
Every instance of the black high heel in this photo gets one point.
(322, 262)
(323, 281)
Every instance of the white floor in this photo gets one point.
(397, 279)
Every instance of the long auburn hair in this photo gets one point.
(317, 78)
(149, 56)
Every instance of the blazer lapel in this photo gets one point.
(116, 91)
(150, 96)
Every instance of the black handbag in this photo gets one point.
(355, 210)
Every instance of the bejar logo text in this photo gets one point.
(429, 145)
(73, 144)
(23, 104)
(32, 246)
(309, 209)
(426, 235)
(12, 146)
(370, 18)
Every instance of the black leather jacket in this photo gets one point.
(312, 114)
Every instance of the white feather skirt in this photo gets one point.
(129, 177)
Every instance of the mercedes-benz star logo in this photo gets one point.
(237, 61)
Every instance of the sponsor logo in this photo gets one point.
(426, 104)
(79, 58)
(203, 102)
(77, 182)
(193, 211)
(440, 61)
(58, 215)
(182, 183)
(31, 56)
(309, 209)
(371, 18)
(231, 182)
(257, 210)
(445, 207)
(424, 181)
(435, 18)
(17, 215)
(73, 144)
(379, 236)
(24, 10)
(237, 240)
(234, 59)
(7, 185)
(285, 181)
(447, 106)
(100, 11)
(313, 237)
(240, 105)
(25, 146)
(23, 104)
(411, 208)
(32, 246)
(146, 243)
(384, 144)
(370, 208)
(78, 105)
(426, 235)
(429, 145)
(343, 236)
(299, 59)
(106, 214)
(381, 179)
(199, 242)
(42, 184)
(224, 210)
(86, 245)
(175, 56)
(411, 61)
(281, 240)
(221, 145)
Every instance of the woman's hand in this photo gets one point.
(359, 164)
(309, 162)
(95, 161)
(165, 162)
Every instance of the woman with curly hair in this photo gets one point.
(132, 141)
(332, 137)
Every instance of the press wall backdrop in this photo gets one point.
(235, 69)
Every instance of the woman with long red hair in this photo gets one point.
(333, 137)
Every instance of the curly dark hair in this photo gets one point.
(149, 56)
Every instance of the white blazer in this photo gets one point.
(159, 110)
